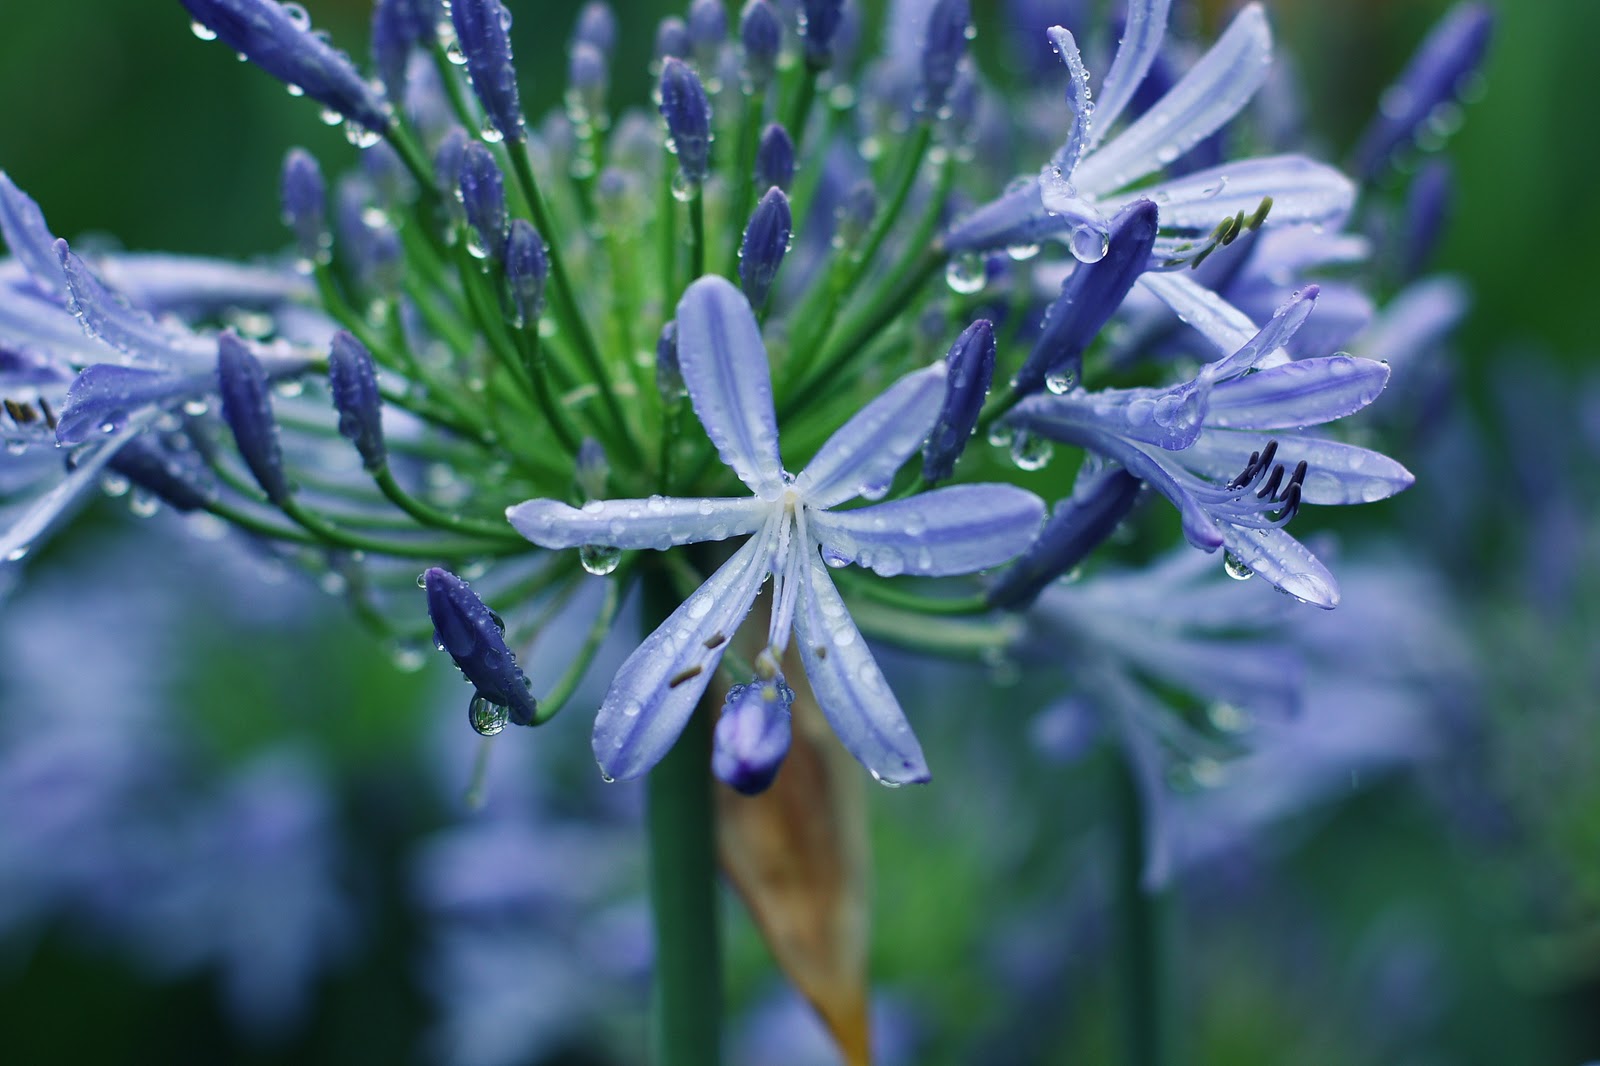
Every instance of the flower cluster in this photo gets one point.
(494, 318)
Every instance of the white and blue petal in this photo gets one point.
(850, 688)
(1303, 192)
(862, 456)
(658, 522)
(724, 365)
(1142, 33)
(1285, 563)
(1211, 93)
(1168, 418)
(956, 530)
(1068, 154)
(106, 318)
(104, 396)
(1214, 318)
(656, 689)
(1336, 473)
(1307, 392)
(26, 234)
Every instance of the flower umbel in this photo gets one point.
(797, 536)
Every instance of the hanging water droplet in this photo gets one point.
(1235, 567)
(202, 31)
(966, 274)
(1088, 243)
(1021, 253)
(884, 781)
(406, 657)
(683, 190)
(486, 716)
(1031, 451)
(1001, 434)
(599, 559)
(422, 580)
(1061, 382)
(114, 485)
(1227, 718)
(18, 553)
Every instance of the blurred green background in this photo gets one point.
(119, 122)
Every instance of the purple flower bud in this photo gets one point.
(483, 196)
(672, 39)
(282, 44)
(669, 376)
(775, 159)
(766, 241)
(447, 160)
(752, 736)
(688, 114)
(969, 371)
(247, 408)
(474, 636)
(587, 74)
(527, 267)
(761, 34)
(819, 22)
(591, 470)
(305, 198)
(708, 29)
(1099, 502)
(1089, 297)
(175, 478)
(398, 28)
(353, 380)
(597, 26)
(942, 49)
(1427, 209)
(1432, 80)
(483, 30)
(391, 181)
(856, 213)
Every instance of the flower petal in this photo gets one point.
(1283, 562)
(1217, 320)
(657, 688)
(1303, 191)
(26, 234)
(1307, 392)
(724, 364)
(1269, 339)
(1336, 473)
(1142, 32)
(1077, 99)
(105, 318)
(862, 456)
(104, 395)
(849, 686)
(16, 541)
(1213, 91)
(658, 522)
(956, 530)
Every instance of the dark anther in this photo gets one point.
(685, 675)
(49, 415)
(716, 640)
(1271, 487)
(1247, 473)
(1261, 213)
(21, 413)
(821, 650)
(1291, 502)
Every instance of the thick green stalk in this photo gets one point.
(1143, 940)
(683, 885)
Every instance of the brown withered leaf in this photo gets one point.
(798, 854)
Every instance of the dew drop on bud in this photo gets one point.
(599, 559)
(1235, 567)
(486, 716)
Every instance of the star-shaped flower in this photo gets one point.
(796, 534)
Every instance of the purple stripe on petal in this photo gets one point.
(1303, 393)
(724, 365)
(862, 456)
(658, 522)
(849, 687)
(658, 686)
(1213, 91)
(957, 530)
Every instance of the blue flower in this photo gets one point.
(1088, 178)
(797, 536)
(1211, 445)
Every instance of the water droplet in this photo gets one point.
(202, 31)
(18, 553)
(1061, 382)
(966, 274)
(683, 190)
(1031, 451)
(486, 716)
(422, 580)
(834, 557)
(1088, 243)
(143, 504)
(407, 657)
(884, 781)
(195, 408)
(1227, 718)
(1021, 253)
(599, 559)
(1235, 567)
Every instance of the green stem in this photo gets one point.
(557, 697)
(1143, 920)
(683, 884)
(697, 235)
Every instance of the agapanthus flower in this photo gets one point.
(797, 536)
(1216, 447)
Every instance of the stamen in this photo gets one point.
(683, 676)
(716, 640)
